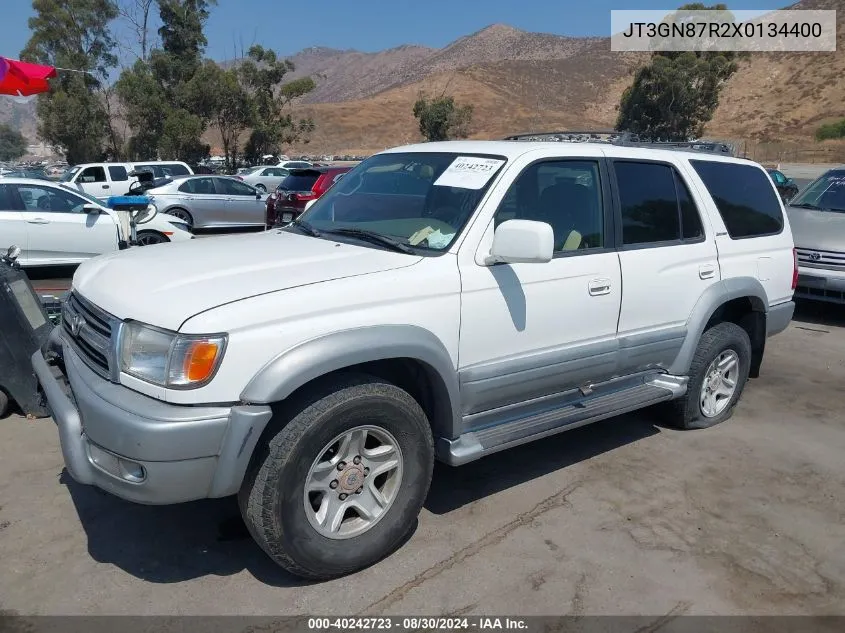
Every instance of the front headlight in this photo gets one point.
(168, 359)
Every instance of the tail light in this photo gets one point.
(794, 268)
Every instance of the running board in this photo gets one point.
(476, 444)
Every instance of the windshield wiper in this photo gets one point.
(805, 205)
(372, 236)
(306, 228)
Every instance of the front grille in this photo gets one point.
(89, 330)
(813, 258)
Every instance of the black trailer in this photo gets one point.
(24, 328)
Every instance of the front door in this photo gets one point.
(59, 229)
(94, 181)
(529, 330)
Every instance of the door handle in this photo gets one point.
(706, 271)
(599, 287)
(38, 221)
(105, 186)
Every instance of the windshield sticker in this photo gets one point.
(469, 172)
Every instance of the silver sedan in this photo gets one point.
(211, 202)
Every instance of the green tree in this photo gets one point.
(831, 130)
(74, 34)
(12, 143)
(441, 118)
(181, 137)
(675, 95)
(261, 74)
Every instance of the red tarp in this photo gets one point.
(24, 79)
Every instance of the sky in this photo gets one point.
(371, 25)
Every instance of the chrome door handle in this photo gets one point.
(707, 271)
(38, 221)
(599, 287)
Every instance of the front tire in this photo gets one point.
(261, 188)
(342, 482)
(718, 374)
(148, 238)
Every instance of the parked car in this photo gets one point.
(103, 180)
(293, 164)
(786, 186)
(211, 202)
(444, 300)
(38, 174)
(57, 225)
(817, 216)
(297, 189)
(263, 178)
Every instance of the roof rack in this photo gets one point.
(625, 139)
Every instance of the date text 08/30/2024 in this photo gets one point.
(416, 623)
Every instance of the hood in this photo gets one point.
(166, 284)
(822, 230)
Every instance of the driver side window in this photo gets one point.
(47, 199)
(92, 174)
(563, 193)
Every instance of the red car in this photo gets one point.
(297, 189)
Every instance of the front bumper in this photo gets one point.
(139, 448)
(821, 284)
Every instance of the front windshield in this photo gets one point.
(71, 171)
(826, 193)
(420, 199)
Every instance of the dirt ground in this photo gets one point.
(622, 517)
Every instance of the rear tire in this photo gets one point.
(288, 497)
(261, 188)
(717, 377)
(183, 215)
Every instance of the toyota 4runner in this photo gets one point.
(442, 301)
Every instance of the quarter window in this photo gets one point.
(656, 204)
(744, 196)
(565, 194)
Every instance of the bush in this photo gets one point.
(831, 130)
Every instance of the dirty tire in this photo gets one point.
(272, 495)
(685, 412)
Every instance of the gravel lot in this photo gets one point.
(622, 517)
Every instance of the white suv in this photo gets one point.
(442, 301)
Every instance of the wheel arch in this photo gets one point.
(411, 357)
(740, 300)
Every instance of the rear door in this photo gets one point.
(13, 227)
(119, 177)
(244, 204)
(203, 201)
(59, 229)
(668, 257)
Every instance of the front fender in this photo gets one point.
(317, 357)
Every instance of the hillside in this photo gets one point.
(520, 81)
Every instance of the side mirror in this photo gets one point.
(92, 209)
(522, 242)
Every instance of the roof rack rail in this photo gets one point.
(624, 139)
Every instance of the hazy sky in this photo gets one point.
(371, 25)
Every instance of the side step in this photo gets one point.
(476, 444)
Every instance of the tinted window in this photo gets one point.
(649, 203)
(49, 199)
(744, 196)
(175, 169)
(565, 194)
(118, 173)
(299, 182)
(231, 187)
(92, 174)
(8, 201)
(198, 185)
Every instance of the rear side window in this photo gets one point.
(118, 173)
(92, 174)
(656, 204)
(744, 196)
(175, 169)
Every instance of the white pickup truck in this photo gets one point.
(442, 301)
